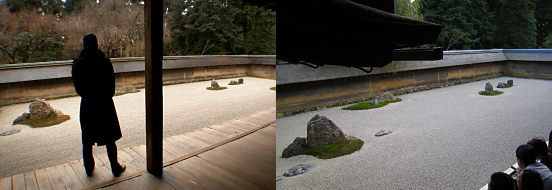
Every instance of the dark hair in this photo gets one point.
(539, 145)
(501, 181)
(526, 153)
(530, 180)
(89, 41)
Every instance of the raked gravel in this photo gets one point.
(445, 138)
(187, 107)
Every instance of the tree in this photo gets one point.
(543, 15)
(409, 9)
(467, 22)
(27, 37)
(516, 26)
(119, 27)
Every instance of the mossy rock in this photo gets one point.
(490, 94)
(221, 88)
(50, 121)
(273, 88)
(341, 148)
(368, 105)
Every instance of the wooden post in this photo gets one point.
(153, 13)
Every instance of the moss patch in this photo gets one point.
(221, 88)
(368, 105)
(490, 94)
(273, 88)
(51, 121)
(341, 148)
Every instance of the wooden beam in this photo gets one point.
(153, 13)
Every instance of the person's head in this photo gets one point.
(529, 179)
(89, 41)
(501, 181)
(539, 144)
(526, 155)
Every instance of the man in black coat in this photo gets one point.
(94, 81)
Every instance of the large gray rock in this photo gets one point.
(233, 82)
(502, 85)
(374, 102)
(510, 82)
(40, 109)
(296, 146)
(322, 131)
(488, 88)
(386, 97)
(215, 85)
(21, 118)
(297, 170)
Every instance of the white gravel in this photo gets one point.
(187, 107)
(446, 138)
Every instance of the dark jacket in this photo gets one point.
(94, 81)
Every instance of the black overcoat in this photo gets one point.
(94, 81)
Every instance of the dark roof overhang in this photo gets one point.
(346, 33)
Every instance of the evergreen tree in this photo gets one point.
(543, 15)
(467, 22)
(516, 26)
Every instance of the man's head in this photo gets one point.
(501, 180)
(526, 155)
(89, 41)
(539, 144)
(529, 179)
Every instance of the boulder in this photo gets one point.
(510, 82)
(382, 132)
(215, 85)
(502, 85)
(297, 170)
(374, 102)
(488, 88)
(296, 146)
(233, 82)
(322, 131)
(386, 97)
(240, 81)
(40, 109)
(20, 118)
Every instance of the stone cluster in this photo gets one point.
(505, 84)
(38, 109)
(321, 131)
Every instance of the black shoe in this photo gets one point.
(117, 171)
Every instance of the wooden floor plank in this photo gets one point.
(252, 121)
(141, 150)
(227, 130)
(249, 152)
(124, 185)
(6, 183)
(42, 180)
(259, 119)
(81, 174)
(55, 178)
(167, 156)
(18, 182)
(174, 148)
(147, 182)
(235, 126)
(206, 137)
(30, 181)
(69, 176)
(260, 175)
(100, 169)
(182, 180)
(179, 144)
(193, 143)
(212, 175)
(217, 133)
(140, 161)
(247, 157)
(126, 159)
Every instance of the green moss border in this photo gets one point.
(341, 148)
(368, 105)
(490, 94)
(221, 88)
(51, 121)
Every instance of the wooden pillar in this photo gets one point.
(153, 13)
